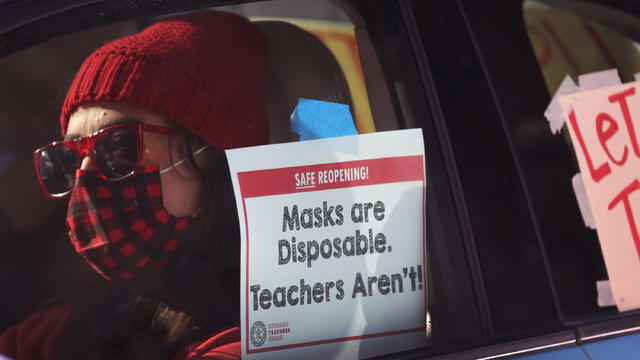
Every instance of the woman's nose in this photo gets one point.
(88, 164)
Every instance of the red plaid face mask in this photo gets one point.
(121, 228)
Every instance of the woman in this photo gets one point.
(151, 208)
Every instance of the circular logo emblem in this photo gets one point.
(258, 333)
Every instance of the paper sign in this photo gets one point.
(604, 125)
(333, 260)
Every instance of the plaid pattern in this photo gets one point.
(121, 228)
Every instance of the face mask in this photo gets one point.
(121, 228)
(181, 161)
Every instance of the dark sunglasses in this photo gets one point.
(116, 151)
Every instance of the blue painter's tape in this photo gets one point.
(314, 119)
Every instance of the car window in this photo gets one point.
(570, 41)
(351, 53)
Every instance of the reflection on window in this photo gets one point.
(565, 43)
(311, 48)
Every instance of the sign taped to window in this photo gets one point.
(333, 259)
(603, 124)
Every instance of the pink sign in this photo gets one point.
(604, 124)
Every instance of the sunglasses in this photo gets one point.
(116, 151)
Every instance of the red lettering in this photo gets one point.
(605, 134)
(604, 169)
(621, 98)
(624, 197)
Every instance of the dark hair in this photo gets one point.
(197, 295)
(210, 261)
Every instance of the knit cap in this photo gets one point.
(205, 71)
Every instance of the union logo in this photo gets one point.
(258, 333)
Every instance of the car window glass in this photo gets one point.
(567, 43)
(363, 59)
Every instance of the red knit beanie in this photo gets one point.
(205, 71)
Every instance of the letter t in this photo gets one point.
(624, 197)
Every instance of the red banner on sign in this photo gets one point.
(298, 179)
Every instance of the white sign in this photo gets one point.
(333, 260)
